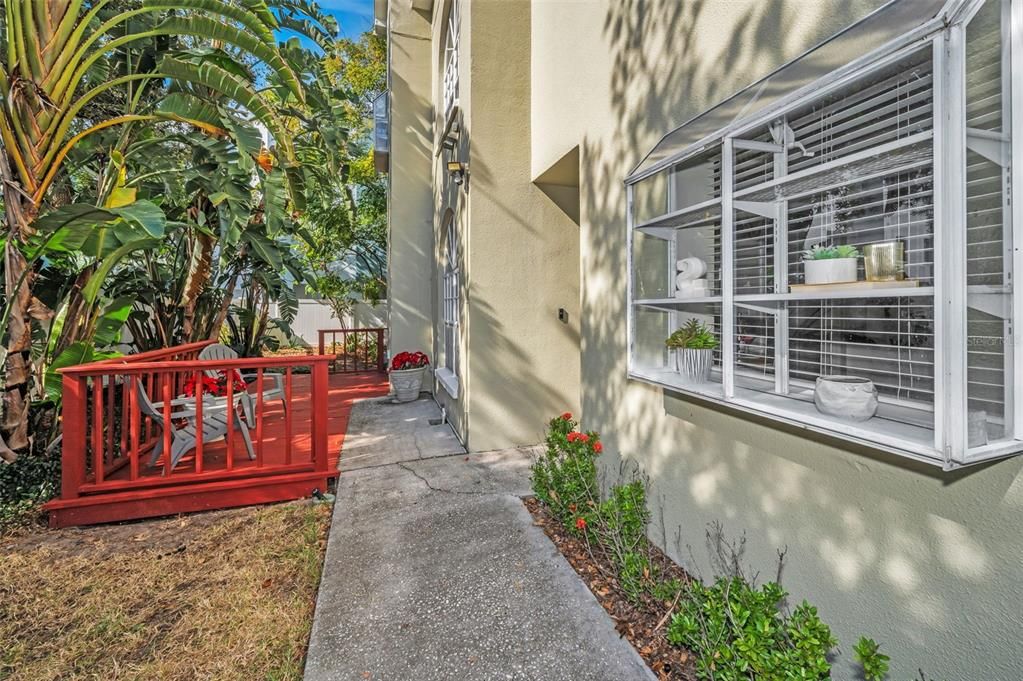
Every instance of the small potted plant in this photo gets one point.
(830, 264)
(694, 346)
(407, 369)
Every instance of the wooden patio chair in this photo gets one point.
(215, 424)
(219, 351)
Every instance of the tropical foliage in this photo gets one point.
(168, 170)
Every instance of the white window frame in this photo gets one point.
(450, 80)
(945, 34)
(451, 301)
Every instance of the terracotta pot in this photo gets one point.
(406, 384)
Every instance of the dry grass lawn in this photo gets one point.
(223, 595)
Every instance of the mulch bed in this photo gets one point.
(643, 623)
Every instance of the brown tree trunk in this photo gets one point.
(18, 214)
(225, 306)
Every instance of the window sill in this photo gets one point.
(448, 381)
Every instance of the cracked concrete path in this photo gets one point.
(435, 571)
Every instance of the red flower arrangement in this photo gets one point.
(409, 360)
(578, 437)
(215, 386)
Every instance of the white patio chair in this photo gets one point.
(215, 425)
(219, 351)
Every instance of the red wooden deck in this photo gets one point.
(130, 487)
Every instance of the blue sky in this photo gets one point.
(355, 16)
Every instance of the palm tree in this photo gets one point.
(48, 48)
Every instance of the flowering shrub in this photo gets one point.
(564, 477)
(409, 360)
(216, 386)
(735, 629)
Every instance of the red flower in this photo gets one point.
(567, 416)
(580, 523)
(597, 447)
(209, 385)
(573, 436)
(409, 360)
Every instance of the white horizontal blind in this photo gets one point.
(888, 340)
(987, 209)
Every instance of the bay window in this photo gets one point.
(893, 141)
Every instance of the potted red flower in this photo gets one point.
(407, 369)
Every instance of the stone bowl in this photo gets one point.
(847, 397)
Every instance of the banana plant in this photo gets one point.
(49, 49)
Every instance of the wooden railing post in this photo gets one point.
(380, 350)
(72, 456)
(319, 413)
(321, 332)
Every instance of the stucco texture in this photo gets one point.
(521, 249)
(410, 232)
(928, 563)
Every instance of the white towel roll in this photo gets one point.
(683, 283)
(691, 268)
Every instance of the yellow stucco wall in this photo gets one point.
(929, 563)
(926, 562)
(523, 250)
(410, 216)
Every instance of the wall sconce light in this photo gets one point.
(457, 170)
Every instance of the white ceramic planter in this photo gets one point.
(847, 397)
(406, 384)
(694, 365)
(830, 271)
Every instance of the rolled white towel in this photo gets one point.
(692, 289)
(691, 268)
(682, 282)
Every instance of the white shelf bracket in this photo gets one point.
(992, 146)
(765, 209)
(994, 304)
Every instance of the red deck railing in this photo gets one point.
(358, 349)
(136, 425)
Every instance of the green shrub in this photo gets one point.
(868, 654)
(694, 335)
(564, 476)
(25, 484)
(634, 575)
(738, 631)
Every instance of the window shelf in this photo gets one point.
(672, 304)
(839, 294)
(698, 215)
(908, 439)
(893, 157)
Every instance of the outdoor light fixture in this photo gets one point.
(457, 170)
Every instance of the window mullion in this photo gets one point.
(950, 403)
(727, 267)
(1016, 189)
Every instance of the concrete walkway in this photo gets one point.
(435, 571)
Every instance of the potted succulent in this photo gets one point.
(407, 369)
(694, 346)
(830, 264)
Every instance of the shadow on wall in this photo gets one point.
(508, 371)
(927, 562)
